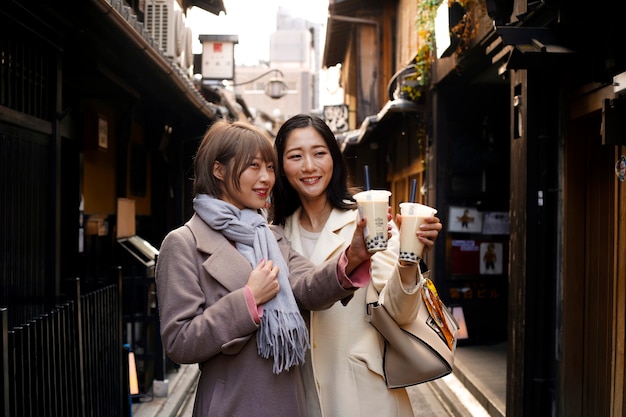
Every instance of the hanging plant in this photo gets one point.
(406, 85)
(465, 30)
(413, 90)
(425, 25)
(412, 86)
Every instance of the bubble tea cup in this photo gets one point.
(373, 206)
(413, 215)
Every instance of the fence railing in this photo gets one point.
(67, 362)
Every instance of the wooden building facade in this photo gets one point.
(524, 129)
(95, 107)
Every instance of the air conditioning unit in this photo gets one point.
(164, 21)
(186, 56)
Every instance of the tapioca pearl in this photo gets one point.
(408, 256)
(374, 246)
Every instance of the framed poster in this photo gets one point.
(465, 220)
(103, 133)
(491, 258)
(465, 257)
(496, 223)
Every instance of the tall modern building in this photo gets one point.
(295, 51)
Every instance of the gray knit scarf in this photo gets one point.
(282, 333)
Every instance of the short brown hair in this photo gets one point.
(234, 145)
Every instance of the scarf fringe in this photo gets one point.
(283, 336)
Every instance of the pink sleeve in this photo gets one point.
(255, 311)
(359, 278)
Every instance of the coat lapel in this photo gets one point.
(329, 241)
(225, 263)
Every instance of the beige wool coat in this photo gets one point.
(204, 317)
(346, 351)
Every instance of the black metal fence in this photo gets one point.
(67, 362)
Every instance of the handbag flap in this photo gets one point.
(414, 353)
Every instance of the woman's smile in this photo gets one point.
(307, 163)
(311, 180)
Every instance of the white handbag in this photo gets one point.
(420, 351)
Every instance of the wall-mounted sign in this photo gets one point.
(477, 290)
(465, 257)
(103, 133)
(218, 56)
(337, 118)
(496, 223)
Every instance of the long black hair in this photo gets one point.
(285, 199)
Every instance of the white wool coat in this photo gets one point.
(346, 351)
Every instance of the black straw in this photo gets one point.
(367, 177)
(413, 189)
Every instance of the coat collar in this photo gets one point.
(329, 240)
(225, 263)
(207, 239)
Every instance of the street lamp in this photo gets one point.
(275, 87)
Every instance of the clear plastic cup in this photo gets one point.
(413, 215)
(373, 206)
